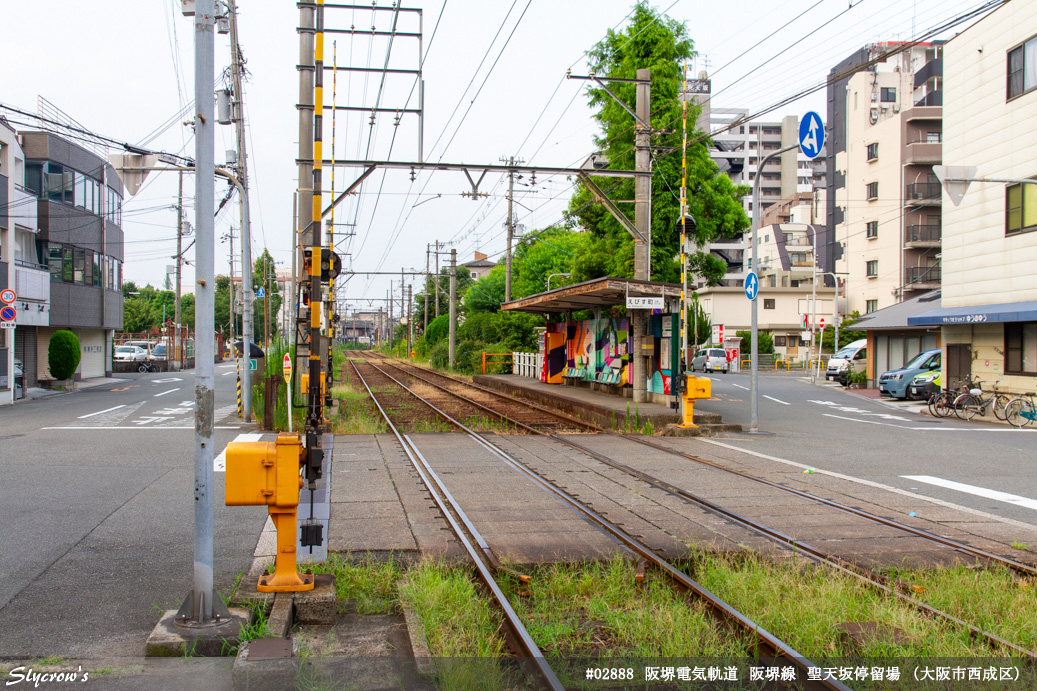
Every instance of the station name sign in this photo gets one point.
(636, 303)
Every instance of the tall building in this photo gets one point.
(884, 206)
(77, 252)
(988, 312)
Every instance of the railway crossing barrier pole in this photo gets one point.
(239, 387)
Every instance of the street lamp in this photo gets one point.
(552, 276)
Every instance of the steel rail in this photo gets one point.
(779, 647)
(860, 513)
(518, 629)
(816, 554)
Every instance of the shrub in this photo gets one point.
(766, 342)
(63, 354)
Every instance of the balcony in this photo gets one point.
(922, 193)
(22, 209)
(930, 70)
(32, 283)
(922, 277)
(923, 152)
(923, 236)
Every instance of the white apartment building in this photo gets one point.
(988, 313)
(888, 134)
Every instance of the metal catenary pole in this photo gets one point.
(452, 346)
(177, 340)
(754, 384)
(642, 221)
(426, 290)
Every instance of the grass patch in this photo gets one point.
(995, 600)
(370, 585)
(356, 414)
(461, 627)
(804, 606)
(1020, 545)
(487, 424)
(598, 610)
(432, 426)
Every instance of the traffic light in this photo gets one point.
(806, 321)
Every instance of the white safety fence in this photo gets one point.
(527, 364)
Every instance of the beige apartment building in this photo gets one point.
(988, 313)
(889, 209)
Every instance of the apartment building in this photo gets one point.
(884, 204)
(988, 313)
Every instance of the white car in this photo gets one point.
(710, 360)
(129, 353)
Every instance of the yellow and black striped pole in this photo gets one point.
(330, 323)
(684, 230)
(241, 410)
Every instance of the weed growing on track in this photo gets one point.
(597, 609)
(995, 600)
(371, 584)
(356, 415)
(803, 606)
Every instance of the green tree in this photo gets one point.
(264, 273)
(660, 44)
(765, 340)
(846, 334)
(464, 282)
(486, 294)
(63, 354)
(222, 305)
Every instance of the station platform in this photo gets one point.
(603, 409)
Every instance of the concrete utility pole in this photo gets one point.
(233, 316)
(512, 161)
(307, 57)
(452, 347)
(200, 608)
(410, 320)
(237, 62)
(266, 301)
(179, 263)
(426, 290)
(643, 223)
(437, 278)
(392, 333)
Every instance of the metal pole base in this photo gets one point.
(190, 616)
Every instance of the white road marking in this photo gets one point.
(746, 388)
(932, 429)
(165, 392)
(972, 489)
(877, 485)
(167, 380)
(151, 428)
(776, 400)
(219, 464)
(227, 373)
(106, 410)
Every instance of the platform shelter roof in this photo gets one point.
(598, 292)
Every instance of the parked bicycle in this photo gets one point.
(968, 405)
(942, 404)
(147, 366)
(1022, 410)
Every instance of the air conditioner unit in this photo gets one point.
(874, 97)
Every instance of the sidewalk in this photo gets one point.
(35, 392)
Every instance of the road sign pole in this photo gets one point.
(754, 341)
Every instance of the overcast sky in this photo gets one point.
(494, 86)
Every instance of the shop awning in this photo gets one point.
(598, 292)
(978, 314)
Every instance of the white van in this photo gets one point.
(839, 364)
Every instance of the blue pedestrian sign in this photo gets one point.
(752, 285)
(811, 135)
(260, 293)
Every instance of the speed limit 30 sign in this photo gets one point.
(7, 296)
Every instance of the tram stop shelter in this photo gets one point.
(632, 354)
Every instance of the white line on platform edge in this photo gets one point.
(219, 464)
(776, 400)
(106, 410)
(165, 392)
(877, 485)
(972, 489)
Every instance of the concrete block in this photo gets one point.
(320, 605)
(169, 640)
(279, 623)
(264, 672)
(418, 642)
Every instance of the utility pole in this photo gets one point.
(266, 300)
(512, 161)
(388, 296)
(437, 278)
(643, 222)
(304, 195)
(427, 286)
(200, 608)
(233, 316)
(179, 262)
(452, 347)
(410, 320)
(237, 62)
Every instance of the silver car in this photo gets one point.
(710, 360)
(129, 353)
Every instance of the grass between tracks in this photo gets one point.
(356, 413)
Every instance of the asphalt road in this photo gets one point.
(826, 427)
(97, 515)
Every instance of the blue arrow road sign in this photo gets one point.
(811, 134)
(752, 285)
(261, 293)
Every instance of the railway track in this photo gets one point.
(869, 577)
(767, 644)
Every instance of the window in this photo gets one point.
(474, 274)
(1022, 68)
(79, 274)
(873, 268)
(873, 190)
(933, 137)
(1020, 208)
(888, 94)
(873, 151)
(55, 257)
(80, 189)
(768, 304)
(871, 306)
(96, 275)
(1021, 348)
(872, 229)
(779, 341)
(773, 280)
(66, 264)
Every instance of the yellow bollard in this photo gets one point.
(695, 388)
(266, 472)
